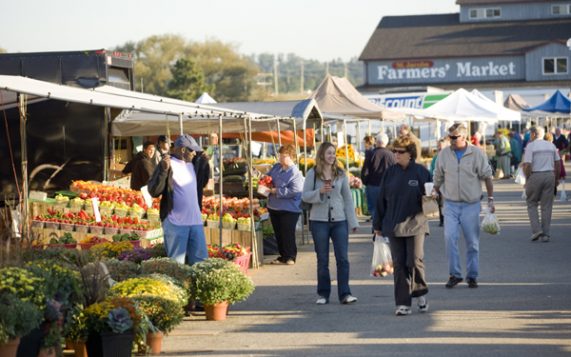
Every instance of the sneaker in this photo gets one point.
(403, 310)
(278, 261)
(472, 283)
(453, 281)
(290, 262)
(422, 304)
(321, 301)
(349, 299)
(535, 236)
(545, 238)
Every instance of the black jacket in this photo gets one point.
(400, 196)
(376, 163)
(140, 168)
(161, 183)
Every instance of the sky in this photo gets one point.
(313, 29)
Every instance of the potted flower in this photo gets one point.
(120, 270)
(28, 287)
(110, 250)
(216, 283)
(111, 326)
(167, 266)
(164, 315)
(75, 330)
(160, 298)
(151, 285)
(17, 319)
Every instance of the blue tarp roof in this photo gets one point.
(558, 103)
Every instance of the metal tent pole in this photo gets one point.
(24, 149)
(279, 134)
(220, 180)
(253, 235)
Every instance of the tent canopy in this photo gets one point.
(515, 102)
(337, 97)
(557, 103)
(205, 98)
(306, 109)
(131, 123)
(464, 106)
(107, 96)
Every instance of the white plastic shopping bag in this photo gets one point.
(490, 223)
(520, 176)
(382, 263)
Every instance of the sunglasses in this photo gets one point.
(399, 151)
(454, 137)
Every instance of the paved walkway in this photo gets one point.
(522, 307)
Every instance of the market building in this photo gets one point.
(499, 47)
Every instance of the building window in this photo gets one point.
(561, 9)
(485, 13)
(555, 65)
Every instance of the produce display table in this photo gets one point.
(244, 238)
(44, 234)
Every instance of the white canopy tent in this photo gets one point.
(464, 106)
(505, 113)
(205, 98)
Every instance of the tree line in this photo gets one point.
(172, 66)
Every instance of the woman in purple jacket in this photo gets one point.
(284, 203)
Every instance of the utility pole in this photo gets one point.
(301, 78)
(276, 90)
(326, 68)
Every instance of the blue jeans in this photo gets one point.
(465, 216)
(339, 234)
(372, 198)
(185, 244)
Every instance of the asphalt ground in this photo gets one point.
(521, 308)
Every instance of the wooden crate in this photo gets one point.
(213, 236)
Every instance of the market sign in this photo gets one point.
(415, 101)
(446, 70)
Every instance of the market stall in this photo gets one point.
(164, 112)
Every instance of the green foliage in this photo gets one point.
(24, 284)
(61, 283)
(187, 81)
(17, 317)
(157, 250)
(75, 328)
(228, 76)
(163, 313)
(216, 280)
(152, 285)
(122, 269)
(70, 258)
(167, 266)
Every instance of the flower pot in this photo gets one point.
(155, 342)
(47, 352)
(108, 344)
(79, 348)
(10, 348)
(30, 344)
(216, 312)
